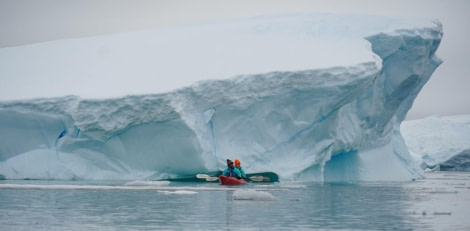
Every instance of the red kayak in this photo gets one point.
(228, 180)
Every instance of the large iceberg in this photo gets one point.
(439, 143)
(311, 97)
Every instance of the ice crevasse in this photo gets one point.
(311, 97)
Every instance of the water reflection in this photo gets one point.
(440, 202)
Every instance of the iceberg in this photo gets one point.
(439, 143)
(311, 97)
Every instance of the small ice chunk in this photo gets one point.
(147, 183)
(254, 195)
(179, 192)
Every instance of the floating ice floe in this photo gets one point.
(254, 195)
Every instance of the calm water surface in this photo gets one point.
(439, 202)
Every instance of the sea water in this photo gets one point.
(439, 202)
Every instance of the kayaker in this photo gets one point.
(239, 166)
(231, 170)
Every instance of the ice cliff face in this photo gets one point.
(320, 122)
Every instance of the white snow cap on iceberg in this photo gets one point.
(162, 60)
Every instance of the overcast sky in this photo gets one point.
(32, 21)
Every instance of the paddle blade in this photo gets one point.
(212, 178)
(202, 176)
(258, 178)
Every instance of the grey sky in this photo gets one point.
(32, 21)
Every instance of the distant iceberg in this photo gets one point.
(311, 97)
(439, 143)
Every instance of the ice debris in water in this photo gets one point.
(147, 183)
(254, 195)
(180, 192)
